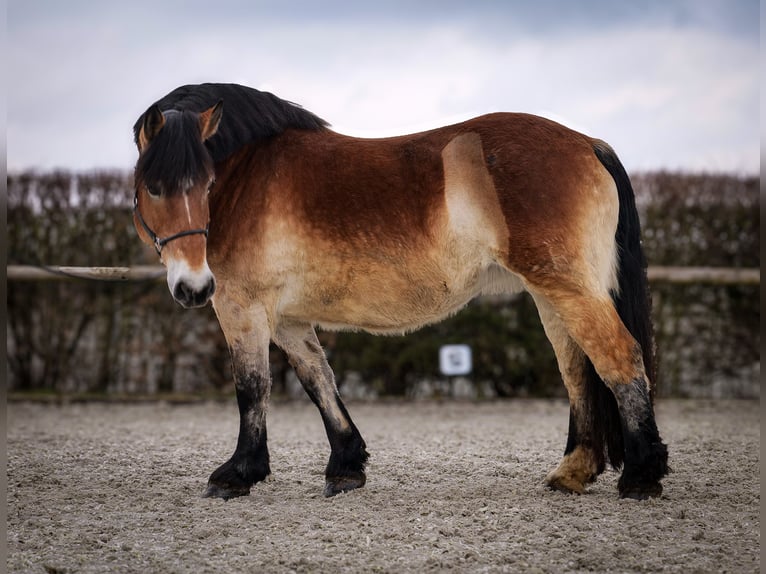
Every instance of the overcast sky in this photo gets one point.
(670, 84)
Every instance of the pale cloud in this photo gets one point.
(670, 87)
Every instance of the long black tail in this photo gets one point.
(633, 304)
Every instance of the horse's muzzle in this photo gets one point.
(189, 296)
(190, 287)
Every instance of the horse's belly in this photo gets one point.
(395, 299)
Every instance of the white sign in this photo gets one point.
(455, 360)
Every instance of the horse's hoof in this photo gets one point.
(559, 486)
(234, 478)
(641, 492)
(567, 484)
(215, 491)
(340, 484)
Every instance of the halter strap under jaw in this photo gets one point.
(157, 241)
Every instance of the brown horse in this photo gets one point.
(286, 225)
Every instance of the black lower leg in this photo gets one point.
(646, 456)
(594, 422)
(348, 453)
(250, 462)
(580, 436)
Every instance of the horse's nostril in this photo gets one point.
(210, 288)
(183, 293)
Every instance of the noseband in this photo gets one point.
(160, 242)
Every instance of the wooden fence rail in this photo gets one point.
(57, 272)
(710, 275)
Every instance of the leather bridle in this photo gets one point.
(160, 242)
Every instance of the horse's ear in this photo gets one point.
(151, 126)
(209, 120)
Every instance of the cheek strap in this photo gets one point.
(160, 242)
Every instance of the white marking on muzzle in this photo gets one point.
(195, 282)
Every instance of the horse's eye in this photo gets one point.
(153, 191)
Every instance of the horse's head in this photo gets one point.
(173, 176)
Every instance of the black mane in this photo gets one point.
(176, 157)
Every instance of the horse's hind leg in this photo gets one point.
(345, 469)
(247, 334)
(593, 416)
(594, 325)
(581, 463)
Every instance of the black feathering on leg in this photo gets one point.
(596, 424)
(250, 462)
(348, 452)
(247, 466)
(348, 457)
(646, 456)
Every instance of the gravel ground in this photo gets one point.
(451, 486)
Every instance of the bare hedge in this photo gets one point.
(83, 336)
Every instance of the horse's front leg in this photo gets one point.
(348, 453)
(247, 334)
